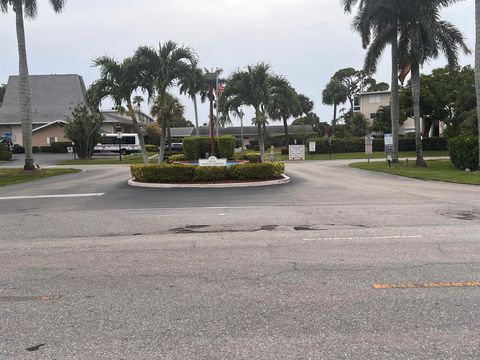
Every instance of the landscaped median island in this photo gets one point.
(184, 174)
(16, 176)
(437, 170)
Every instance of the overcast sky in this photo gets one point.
(304, 40)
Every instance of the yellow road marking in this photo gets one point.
(427, 285)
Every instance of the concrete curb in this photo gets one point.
(284, 180)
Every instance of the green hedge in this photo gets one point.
(357, 145)
(60, 147)
(177, 173)
(5, 155)
(463, 152)
(195, 147)
(151, 148)
(252, 157)
(176, 157)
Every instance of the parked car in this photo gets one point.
(17, 149)
(174, 147)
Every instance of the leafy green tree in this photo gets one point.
(423, 37)
(3, 89)
(256, 86)
(285, 103)
(119, 81)
(84, 128)
(163, 69)
(306, 104)
(169, 111)
(27, 8)
(193, 84)
(382, 122)
(446, 94)
(335, 93)
(356, 81)
(356, 125)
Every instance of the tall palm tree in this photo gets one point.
(335, 93)
(118, 81)
(284, 104)
(423, 37)
(192, 84)
(167, 109)
(29, 9)
(163, 69)
(477, 69)
(254, 87)
(375, 17)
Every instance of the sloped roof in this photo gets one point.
(52, 97)
(182, 131)
(114, 116)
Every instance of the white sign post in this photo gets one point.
(212, 161)
(296, 152)
(388, 138)
(312, 148)
(368, 146)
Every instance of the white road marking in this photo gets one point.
(64, 196)
(368, 238)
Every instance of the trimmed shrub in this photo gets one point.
(226, 147)
(435, 143)
(252, 157)
(42, 149)
(176, 157)
(59, 147)
(163, 173)
(210, 173)
(5, 155)
(151, 148)
(463, 152)
(261, 171)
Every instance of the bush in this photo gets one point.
(252, 157)
(151, 148)
(210, 173)
(435, 143)
(42, 149)
(176, 157)
(163, 173)
(463, 152)
(177, 173)
(261, 171)
(5, 155)
(59, 147)
(195, 147)
(226, 147)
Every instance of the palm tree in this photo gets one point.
(477, 69)
(118, 81)
(423, 37)
(167, 109)
(163, 69)
(29, 9)
(285, 103)
(192, 84)
(375, 17)
(335, 93)
(254, 87)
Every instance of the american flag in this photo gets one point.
(221, 89)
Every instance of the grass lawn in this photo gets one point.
(17, 176)
(438, 170)
(111, 160)
(376, 155)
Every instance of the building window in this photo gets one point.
(51, 140)
(356, 103)
(374, 99)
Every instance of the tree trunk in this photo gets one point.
(416, 114)
(24, 87)
(137, 129)
(242, 136)
(395, 99)
(194, 98)
(477, 70)
(287, 138)
(334, 121)
(261, 142)
(163, 135)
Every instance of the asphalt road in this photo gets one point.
(283, 272)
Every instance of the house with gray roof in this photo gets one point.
(52, 98)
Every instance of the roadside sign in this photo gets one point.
(119, 135)
(388, 138)
(70, 149)
(312, 146)
(296, 152)
(368, 145)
